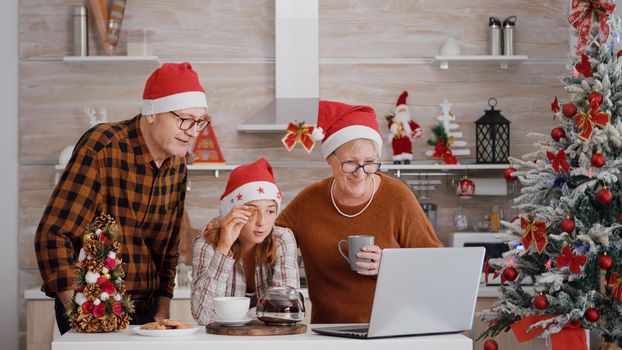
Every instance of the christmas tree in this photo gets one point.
(568, 238)
(100, 303)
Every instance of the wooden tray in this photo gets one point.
(255, 327)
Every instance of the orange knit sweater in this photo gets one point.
(394, 217)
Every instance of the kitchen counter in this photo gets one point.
(308, 341)
(184, 293)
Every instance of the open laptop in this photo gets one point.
(420, 291)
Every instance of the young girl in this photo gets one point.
(248, 254)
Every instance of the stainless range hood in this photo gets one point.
(296, 69)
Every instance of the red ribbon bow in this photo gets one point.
(535, 232)
(587, 120)
(299, 133)
(616, 286)
(559, 160)
(583, 17)
(571, 337)
(555, 107)
(573, 261)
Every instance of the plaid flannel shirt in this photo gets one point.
(216, 275)
(112, 171)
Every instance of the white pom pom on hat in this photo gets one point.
(318, 134)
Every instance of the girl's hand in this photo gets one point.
(231, 225)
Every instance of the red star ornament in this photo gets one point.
(535, 232)
(559, 160)
(587, 120)
(574, 262)
(584, 67)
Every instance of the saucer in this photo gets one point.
(234, 323)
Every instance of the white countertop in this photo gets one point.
(184, 293)
(307, 341)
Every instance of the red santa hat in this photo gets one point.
(402, 99)
(338, 123)
(250, 182)
(172, 87)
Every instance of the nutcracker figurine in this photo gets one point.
(402, 131)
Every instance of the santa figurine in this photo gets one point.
(402, 132)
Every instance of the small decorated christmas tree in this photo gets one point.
(568, 239)
(99, 301)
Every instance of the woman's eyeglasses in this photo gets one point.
(352, 166)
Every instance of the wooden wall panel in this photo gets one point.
(417, 28)
(524, 95)
(200, 29)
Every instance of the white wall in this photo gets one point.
(8, 175)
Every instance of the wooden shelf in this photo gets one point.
(503, 61)
(146, 59)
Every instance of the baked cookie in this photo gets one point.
(184, 326)
(152, 326)
(168, 323)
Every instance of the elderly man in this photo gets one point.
(135, 171)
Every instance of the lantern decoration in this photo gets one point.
(492, 136)
(466, 188)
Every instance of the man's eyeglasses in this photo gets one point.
(188, 123)
(352, 166)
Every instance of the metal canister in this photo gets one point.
(508, 35)
(80, 32)
(495, 36)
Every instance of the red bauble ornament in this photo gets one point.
(598, 159)
(509, 174)
(620, 53)
(605, 262)
(569, 110)
(491, 344)
(595, 96)
(510, 274)
(466, 188)
(540, 302)
(558, 133)
(567, 225)
(591, 315)
(604, 196)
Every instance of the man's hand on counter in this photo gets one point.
(164, 309)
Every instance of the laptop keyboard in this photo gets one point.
(356, 332)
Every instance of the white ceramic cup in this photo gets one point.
(231, 308)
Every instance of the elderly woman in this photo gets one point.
(355, 200)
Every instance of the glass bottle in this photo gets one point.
(461, 221)
(495, 219)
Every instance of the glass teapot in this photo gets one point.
(281, 305)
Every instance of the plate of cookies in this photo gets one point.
(165, 328)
